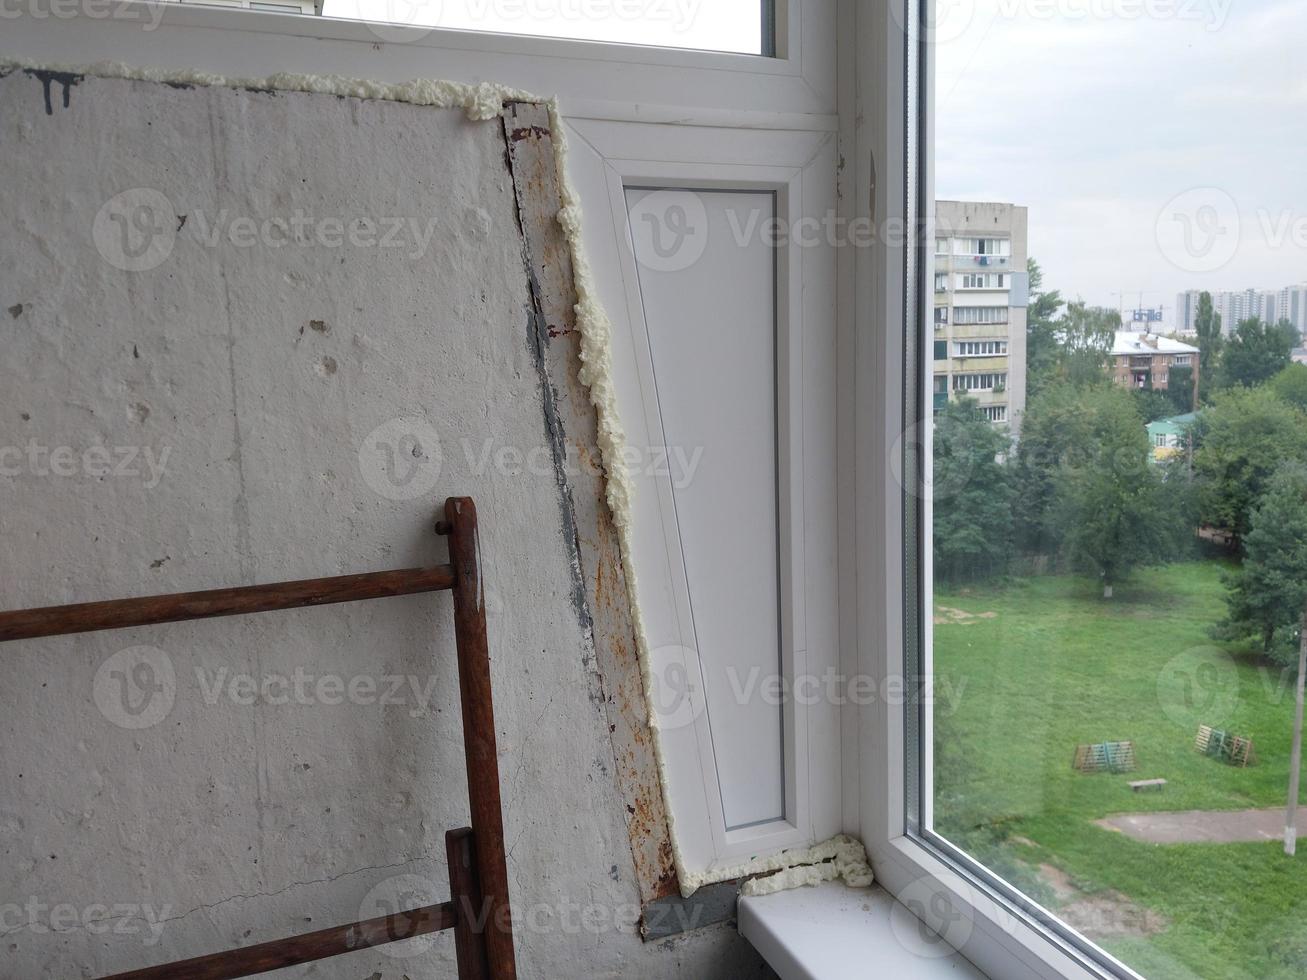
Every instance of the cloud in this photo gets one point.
(1095, 122)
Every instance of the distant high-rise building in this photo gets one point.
(1292, 306)
(981, 293)
(1268, 305)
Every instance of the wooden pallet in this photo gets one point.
(1231, 748)
(1105, 757)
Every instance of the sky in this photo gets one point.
(1155, 153)
(711, 25)
(1159, 145)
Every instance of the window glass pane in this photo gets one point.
(1115, 551)
(743, 26)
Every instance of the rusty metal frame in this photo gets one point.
(478, 910)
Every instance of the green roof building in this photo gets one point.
(1170, 436)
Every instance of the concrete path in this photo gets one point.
(1205, 826)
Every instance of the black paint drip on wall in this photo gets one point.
(66, 79)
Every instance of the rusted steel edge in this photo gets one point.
(87, 617)
(303, 949)
(599, 589)
(479, 735)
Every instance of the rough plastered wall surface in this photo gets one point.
(283, 379)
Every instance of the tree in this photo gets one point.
(1153, 404)
(1210, 341)
(1110, 495)
(1256, 352)
(1267, 591)
(1291, 385)
(1180, 390)
(1042, 343)
(1053, 428)
(973, 493)
(1242, 440)
(1086, 335)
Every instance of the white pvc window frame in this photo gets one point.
(800, 172)
(1001, 931)
(794, 89)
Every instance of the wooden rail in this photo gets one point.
(479, 911)
(87, 617)
(303, 949)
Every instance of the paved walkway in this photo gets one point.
(1205, 826)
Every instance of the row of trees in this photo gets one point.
(1082, 489)
(1251, 355)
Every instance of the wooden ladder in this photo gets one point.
(478, 910)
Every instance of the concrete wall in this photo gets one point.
(190, 400)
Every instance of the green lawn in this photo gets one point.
(1028, 670)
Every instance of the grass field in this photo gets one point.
(1027, 670)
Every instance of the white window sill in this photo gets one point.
(833, 931)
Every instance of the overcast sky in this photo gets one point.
(713, 25)
(1160, 145)
(1096, 123)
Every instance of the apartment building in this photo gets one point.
(1144, 360)
(1292, 306)
(1268, 305)
(981, 293)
